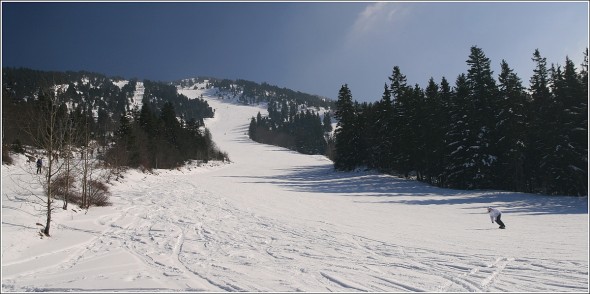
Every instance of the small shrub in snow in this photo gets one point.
(63, 186)
(6, 159)
(99, 193)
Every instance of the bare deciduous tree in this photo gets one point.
(47, 131)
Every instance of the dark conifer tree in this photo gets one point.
(252, 129)
(580, 134)
(511, 125)
(171, 131)
(434, 131)
(567, 159)
(584, 72)
(367, 132)
(398, 83)
(460, 165)
(103, 125)
(384, 131)
(444, 121)
(483, 111)
(554, 141)
(540, 117)
(151, 127)
(347, 140)
(417, 148)
(125, 142)
(399, 123)
(327, 122)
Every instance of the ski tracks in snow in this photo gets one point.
(191, 239)
(208, 243)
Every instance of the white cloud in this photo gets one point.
(375, 18)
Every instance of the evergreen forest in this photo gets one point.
(249, 92)
(303, 131)
(90, 111)
(482, 132)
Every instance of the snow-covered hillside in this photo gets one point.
(136, 101)
(276, 220)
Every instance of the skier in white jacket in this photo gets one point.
(495, 215)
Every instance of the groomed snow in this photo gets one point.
(276, 220)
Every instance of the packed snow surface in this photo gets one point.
(276, 220)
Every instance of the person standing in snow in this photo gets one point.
(495, 215)
(39, 165)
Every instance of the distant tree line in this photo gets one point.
(158, 94)
(481, 133)
(249, 92)
(166, 132)
(150, 140)
(91, 94)
(87, 94)
(285, 126)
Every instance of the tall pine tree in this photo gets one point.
(511, 127)
(382, 124)
(459, 168)
(347, 137)
(483, 108)
(434, 127)
(400, 123)
(567, 159)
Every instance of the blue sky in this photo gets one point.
(309, 47)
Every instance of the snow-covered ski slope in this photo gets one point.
(276, 220)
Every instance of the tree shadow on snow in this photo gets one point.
(387, 189)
